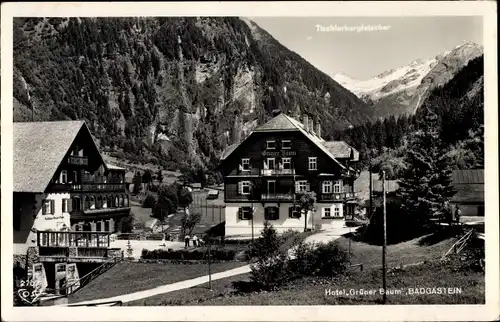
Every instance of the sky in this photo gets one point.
(366, 54)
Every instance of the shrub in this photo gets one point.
(329, 260)
(220, 254)
(270, 273)
(149, 201)
(269, 242)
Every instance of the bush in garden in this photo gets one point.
(149, 201)
(270, 273)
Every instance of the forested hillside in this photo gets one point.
(172, 91)
(459, 106)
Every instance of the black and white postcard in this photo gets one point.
(216, 161)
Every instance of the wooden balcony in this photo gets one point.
(277, 196)
(54, 246)
(277, 172)
(72, 239)
(77, 160)
(88, 187)
(337, 196)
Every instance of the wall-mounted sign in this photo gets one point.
(282, 153)
(53, 218)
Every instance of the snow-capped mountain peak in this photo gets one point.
(389, 81)
(401, 88)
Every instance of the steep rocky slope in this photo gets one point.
(403, 90)
(173, 91)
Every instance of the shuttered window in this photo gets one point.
(245, 164)
(294, 212)
(48, 207)
(272, 213)
(65, 205)
(245, 213)
(327, 212)
(244, 187)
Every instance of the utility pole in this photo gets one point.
(371, 187)
(209, 267)
(253, 212)
(384, 250)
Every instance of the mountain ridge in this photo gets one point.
(174, 91)
(402, 90)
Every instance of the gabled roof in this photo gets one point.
(39, 148)
(284, 123)
(340, 149)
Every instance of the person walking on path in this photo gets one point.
(186, 241)
(195, 241)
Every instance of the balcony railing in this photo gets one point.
(277, 196)
(340, 196)
(64, 239)
(277, 172)
(98, 187)
(77, 160)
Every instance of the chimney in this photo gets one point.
(312, 129)
(306, 123)
(318, 128)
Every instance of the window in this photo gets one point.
(302, 186)
(245, 187)
(286, 144)
(287, 163)
(75, 204)
(313, 163)
(271, 163)
(327, 212)
(336, 211)
(245, 213)
(294, 212)
(326, 187)
(92, 202)
(338, 186)
(245, 164)
(272, 213)
(75, 177)
(271, 145)
(271, 186)
(65, 205)
(48, 207)
(64, 176)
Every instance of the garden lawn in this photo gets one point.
(309, 291)
(128, 277)
(467, 288)
(404, 253)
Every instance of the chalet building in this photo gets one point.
(64, 195)
(279, 159)
(470, 191)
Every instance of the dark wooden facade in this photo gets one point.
(298, 149)
(97, 192)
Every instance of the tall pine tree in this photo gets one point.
(425, 186)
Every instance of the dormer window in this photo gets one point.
(286, 144)
(271, 145)
(245, 164)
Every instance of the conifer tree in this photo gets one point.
(425, 186)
